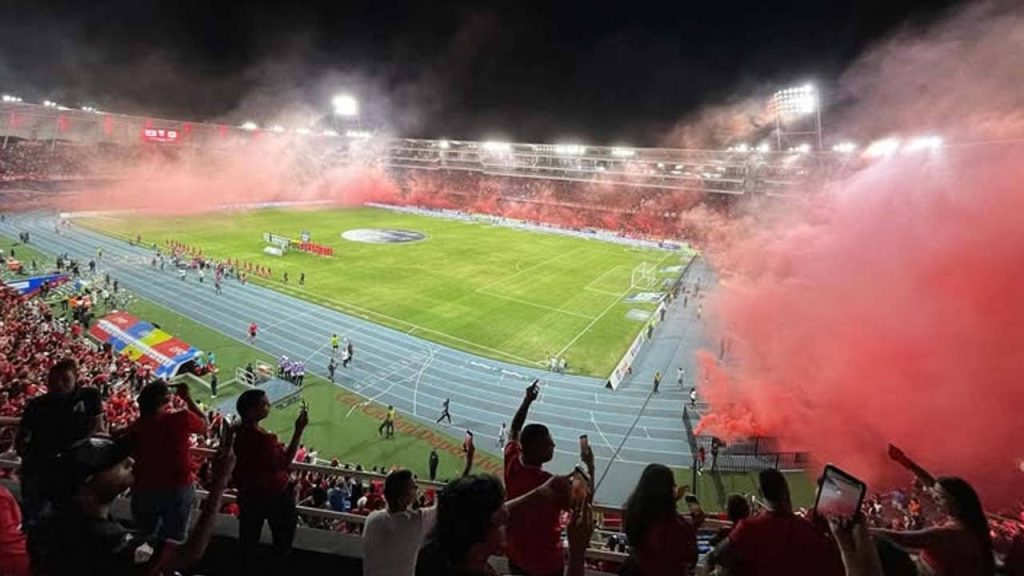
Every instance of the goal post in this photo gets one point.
(643, 277)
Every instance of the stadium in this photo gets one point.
(766, 324)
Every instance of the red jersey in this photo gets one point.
(961, 553)
(161, 449)
(534, 533)
(775, 543)
(253, 328)
(669, 548)
(13, 553)
(261, 463)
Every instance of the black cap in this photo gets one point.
(84, 459)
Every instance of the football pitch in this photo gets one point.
(505, 293)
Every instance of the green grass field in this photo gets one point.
(507, 294)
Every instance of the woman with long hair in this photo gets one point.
(662, 542)
(960, 547)
(470, 526)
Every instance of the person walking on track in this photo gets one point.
(445, 414)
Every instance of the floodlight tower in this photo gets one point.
(793, 105)
(346, 106)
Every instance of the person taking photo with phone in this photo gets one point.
(777, 541)
(392, 537)
(534, 533)
(661, 540)
(159, 440)
(265, 491)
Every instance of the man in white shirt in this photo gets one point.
(392, 537)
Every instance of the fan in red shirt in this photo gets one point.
(777, 541)
(534, 533)
(265, 492)
(664, 543)
(162, 494)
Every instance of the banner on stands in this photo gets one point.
(30, 286)
(144, 343)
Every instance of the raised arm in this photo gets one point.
(916, 539)
(300, 425)
(923, 475)
(524, 408)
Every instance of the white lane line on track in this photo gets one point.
(603, 437)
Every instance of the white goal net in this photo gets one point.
(643, 277)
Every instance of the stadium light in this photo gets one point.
(345, 105)
(250, 125)
(844, 147)
(9, 98)
(303, 131)
(277, 128)
(444, 145)
(924, 143)
(796, 101)
(620, 152)
(764, 147)
(570, 149)
(883, 147)
(329, 133)
(361, 134)
(497, 147)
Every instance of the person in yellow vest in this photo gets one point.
(387, 427)
(335, 342)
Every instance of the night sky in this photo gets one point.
(599, 72)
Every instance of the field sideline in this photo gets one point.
(507, 294)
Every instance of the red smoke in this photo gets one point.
(890, 311)
(889, 308)
(265, 169)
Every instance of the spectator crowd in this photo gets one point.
(95, 426)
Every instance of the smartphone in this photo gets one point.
(535, 386)
(584, 444)
(692, 502)
(579, 491)
(304, 406)
(468, 441)
(839, 493)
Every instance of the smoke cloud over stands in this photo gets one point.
(888, 309)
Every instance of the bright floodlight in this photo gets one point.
(330, 133)
(924, 143)
(621, 152)
(250, 125)
(302, 131)
(9, 98)
(444, 145)
(570, 149)
(277, 128)
(844, 147)
(361, 134)
(764, 147)
(742, 147)
(345, 105)
(796, 101)
(883, 147)
(493, 146)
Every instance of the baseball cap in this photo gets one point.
(76, 465)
